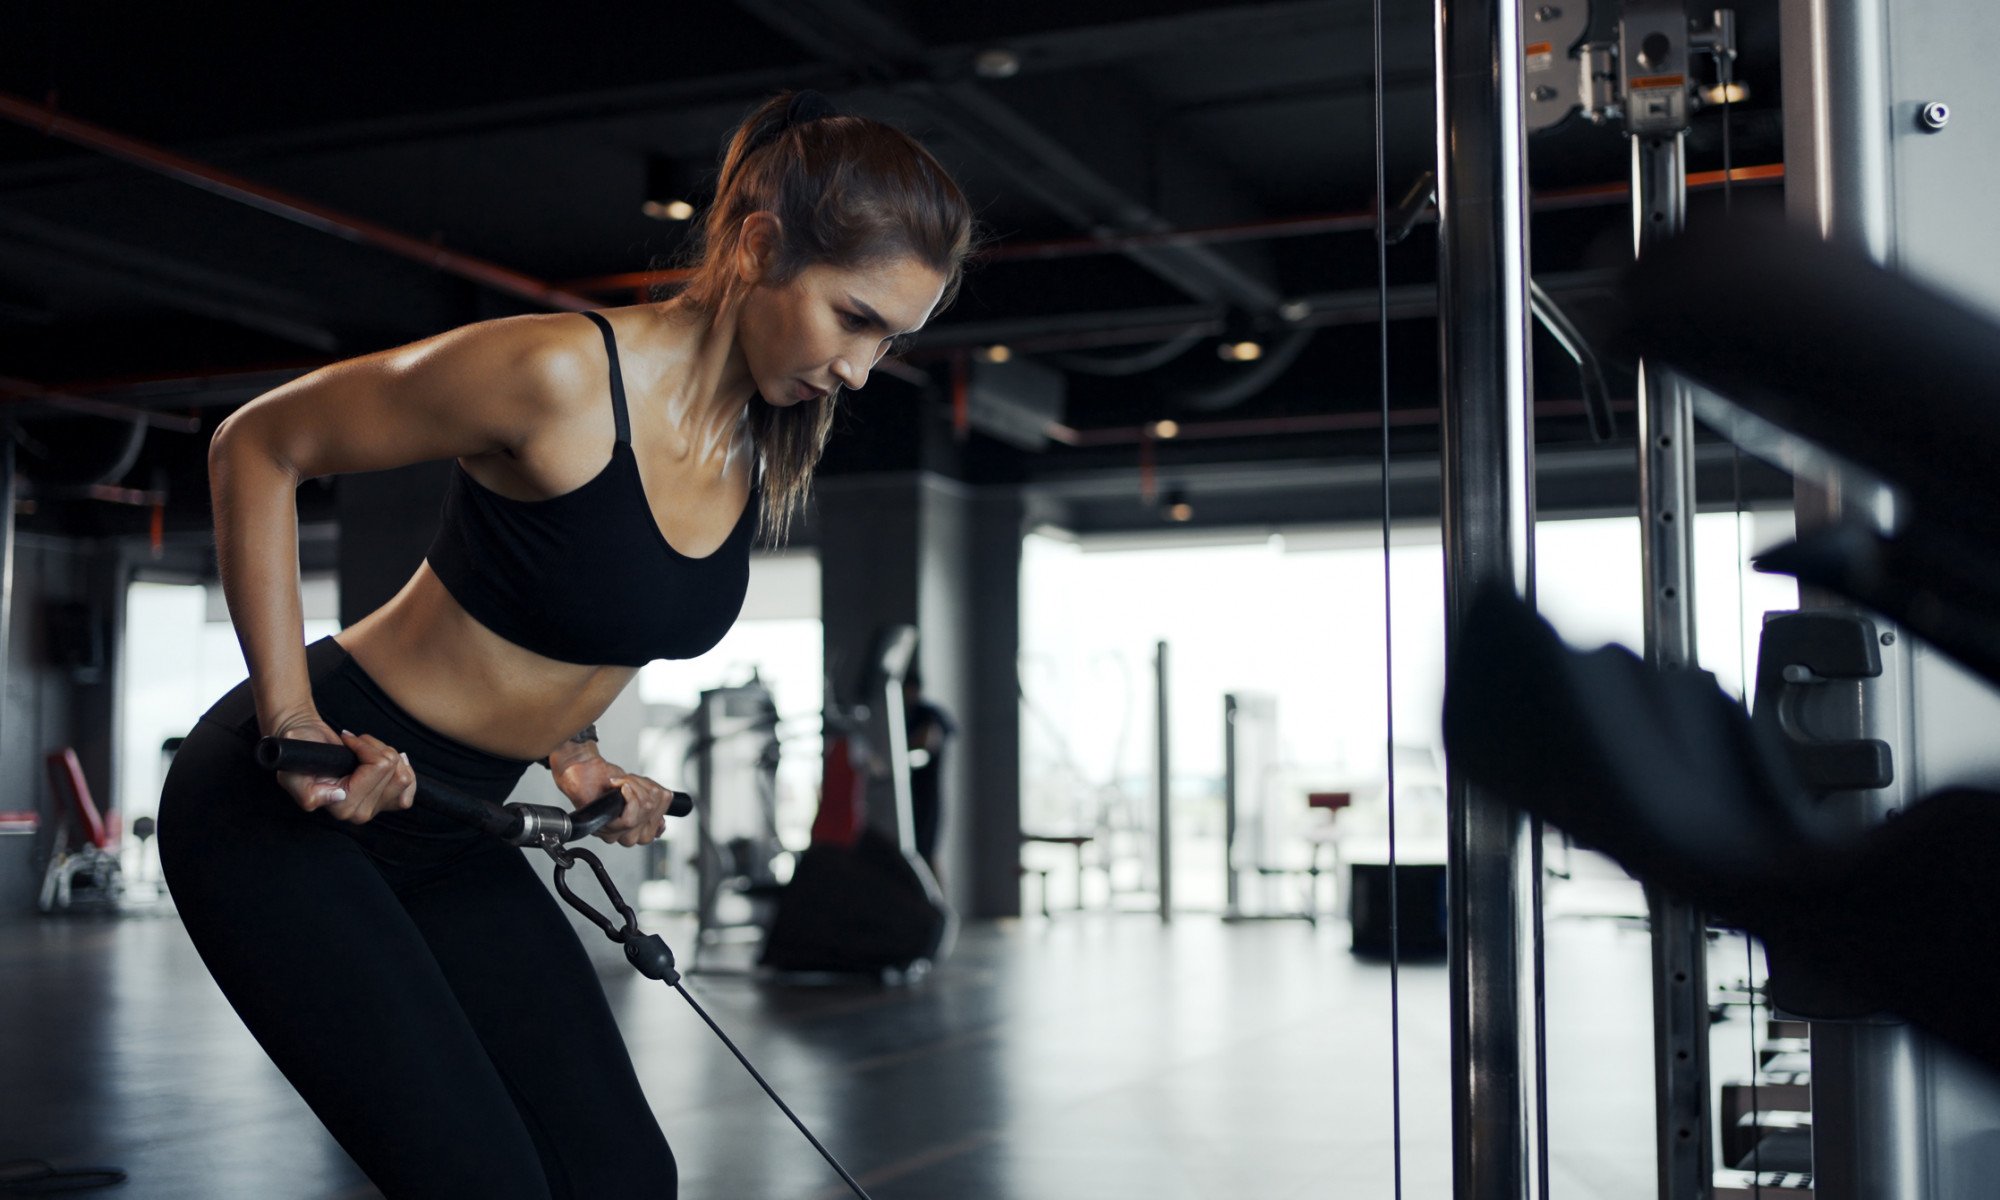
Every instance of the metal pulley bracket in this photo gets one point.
(1550, 81)
(1798, 654)
(1653, 67)
(1642, 77)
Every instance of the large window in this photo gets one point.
(1298, 617)
(179, 655)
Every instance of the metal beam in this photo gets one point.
(856, 35)
(201, 290)
(48, 120)
(1040, 51)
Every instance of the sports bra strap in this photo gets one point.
(617, 378)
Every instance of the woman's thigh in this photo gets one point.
(531, 992)
(315, 951)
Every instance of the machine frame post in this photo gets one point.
(1483, 330)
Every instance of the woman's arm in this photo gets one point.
(482, 389)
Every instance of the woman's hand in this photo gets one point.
(383, 781)
(585, 777)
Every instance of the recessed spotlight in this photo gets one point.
(1180, 512)
(1166, 429)
(1240, 351)
(672, 187)
(995, 353)
(996, 63)
(667, 210)
(1726, 93)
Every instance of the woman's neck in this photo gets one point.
(704, 389)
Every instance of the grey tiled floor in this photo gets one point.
(1097, 1057)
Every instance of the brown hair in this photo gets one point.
(847, 192)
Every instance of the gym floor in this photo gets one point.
(1097, 1056)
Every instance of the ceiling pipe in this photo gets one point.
(47, 119)
(1252, 427)
(27, 394)
(1352, 221)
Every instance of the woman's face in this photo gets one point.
(827, 327)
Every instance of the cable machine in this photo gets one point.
(1547, 72)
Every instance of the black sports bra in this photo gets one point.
(587, 576)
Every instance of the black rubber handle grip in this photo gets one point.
(322, 758)
(306, 758)
(596, 815)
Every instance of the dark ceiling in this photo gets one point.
(518, 134)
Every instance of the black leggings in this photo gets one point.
(413, 979)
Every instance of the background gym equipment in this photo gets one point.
(861, 900)
(83, 873)
(734, 750)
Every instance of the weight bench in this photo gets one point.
(83, 872)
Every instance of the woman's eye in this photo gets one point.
(854, 321)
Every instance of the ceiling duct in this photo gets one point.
(66, 453)
(1247, 382)
(1015, 401)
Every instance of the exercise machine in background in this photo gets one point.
(83, 873)
(860, 900)
(738, 856)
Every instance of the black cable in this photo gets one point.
(1725, 75)
(772, 1093)
(1538, 955)
(1388, 610)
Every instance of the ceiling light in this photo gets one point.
(1180, 512)
(672, 189)
(997, 63)
(995, 353)
(1726, 93)
(669, 210)
(1166, 429)
(1240, 351)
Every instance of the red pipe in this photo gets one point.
(46, 119)
(1352, 221)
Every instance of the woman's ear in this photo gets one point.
(757, 247)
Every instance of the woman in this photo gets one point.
(414, 980)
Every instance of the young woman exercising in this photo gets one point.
(404, 972)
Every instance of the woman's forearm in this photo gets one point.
(255, 499)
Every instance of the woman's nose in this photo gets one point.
(851, 377)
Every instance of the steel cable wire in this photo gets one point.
(1388, 619)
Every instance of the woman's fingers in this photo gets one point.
(645, 812)
(383, 780)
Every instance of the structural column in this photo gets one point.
(1483, 330)
(917, 548)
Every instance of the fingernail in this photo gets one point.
(405, 757)
(336, 795)
(346, 733)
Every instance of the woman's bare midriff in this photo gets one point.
(463, 680)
